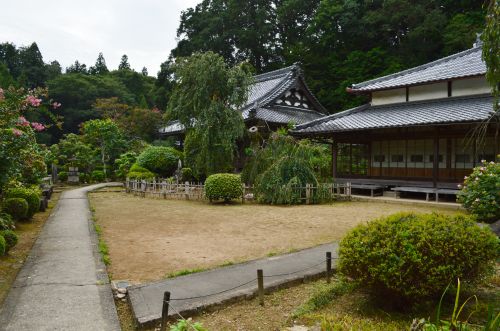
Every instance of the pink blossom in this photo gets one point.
(155, 110)
(33, 101)
(21, 121)
(37, 126)
(17, 132)
(56, 105)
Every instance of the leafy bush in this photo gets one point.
(6, 222)
(63, 176)
(223, 187)
(16, 207)
(187, 325)
(10, 239)
(3, 246)
(31, 195)
(411, 257)
(83, 177)
(97, 176)
(124, 163)
(187, 174)
(138, 172)
(159, 159)
(479, 194)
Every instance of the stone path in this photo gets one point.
(63, 284)
(146, 299)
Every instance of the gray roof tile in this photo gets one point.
(463, 64)
(441, 111)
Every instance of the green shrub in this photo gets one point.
(6, 222)
(187, 174)
(63, 176)
(411, 257)
(223, 187)
(479, 194)
(10, 239)
(31, 195)
(83, 177)
(159, 159)
(16, 207)
(138, 172)
(124, 163)
(97, 176)
(3, 246)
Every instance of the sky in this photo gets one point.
(69, 30)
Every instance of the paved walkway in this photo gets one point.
(63, 284)
(146, 299)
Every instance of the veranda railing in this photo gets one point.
(165, 189)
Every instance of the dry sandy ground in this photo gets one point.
(149, 238)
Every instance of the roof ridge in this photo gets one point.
(332, 116)
(417, 68)
(275, 73)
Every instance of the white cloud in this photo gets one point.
(69, 30)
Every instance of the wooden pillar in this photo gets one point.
(335, 153)
(350, 159)
(448, 158)
(435, 164)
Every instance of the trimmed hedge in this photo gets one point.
(97, 176)
(31, 195)
(3, 246)
(138, 172)
(411, 257)
(223, 187)
(159, 159)
(10, 237)
(16, 207)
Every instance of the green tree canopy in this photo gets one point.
(205, 100)
(99, 67)
(124, 65)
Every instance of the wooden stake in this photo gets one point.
(260, 282)
(328, 266)
(164, 311)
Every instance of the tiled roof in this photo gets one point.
(262, 94)
(441, 111)
(464, 64)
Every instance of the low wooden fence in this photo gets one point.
(164, 189)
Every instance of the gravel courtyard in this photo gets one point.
(149, 239)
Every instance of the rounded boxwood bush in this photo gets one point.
(223, 187)
(31, 195)
(479, 194)
(63, 176)
(138, 172)
(3, 246)
(409, 257)
(10, 237)
(16, 207)
(159, 159)
(97, 176)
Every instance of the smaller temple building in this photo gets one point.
(427, 126)
(275, 99)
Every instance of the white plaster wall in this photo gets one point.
(428, 92)
(470, 86)
(388, 96)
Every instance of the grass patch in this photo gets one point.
(184, 272)
(103, 248)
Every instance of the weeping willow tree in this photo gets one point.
(207, 94)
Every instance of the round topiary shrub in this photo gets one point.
(223, 187)
(31, 195)
(479, 194)
(159, 159)
(409, 257)
(63, 176)
(3, 246)
(97, 176)
(16, 207)
(138, 172)
(10, 237)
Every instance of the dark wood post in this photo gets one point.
(328, 266)
(435, 164)
(335, 153)
(260, 283)
(164, 311)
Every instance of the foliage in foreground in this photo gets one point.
(455, 323)
(480, 192)
(187, 325)
(411, 257)
(223, 187)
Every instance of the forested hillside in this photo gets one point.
(338, 42)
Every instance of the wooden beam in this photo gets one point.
(334, 159)
(435, 165)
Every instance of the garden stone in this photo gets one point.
(122, 290)
(117, 284)
(495, 227)
(120, 295)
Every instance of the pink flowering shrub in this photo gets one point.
(480, 193)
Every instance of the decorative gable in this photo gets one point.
(294, 98)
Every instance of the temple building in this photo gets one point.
(425, 127)
(275, 99)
